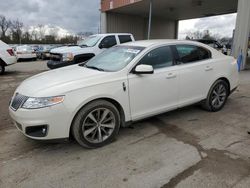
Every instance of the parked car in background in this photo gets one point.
(35, 47)
(123, 84)
(86, 49)
(43, 52)
(214, 44)
(25, 52)
(7, 56)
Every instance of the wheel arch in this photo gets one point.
(2, 62)
(227, 81)
(111, 100)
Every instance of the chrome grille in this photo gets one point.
(17, 101)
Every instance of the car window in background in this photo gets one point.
(114, 59)
(90, 41)
(24, 48)
(124, 38)
(189, 53)
(109, 41)
(158, 58)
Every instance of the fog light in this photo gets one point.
(37, 131)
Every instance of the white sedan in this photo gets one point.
(124, 84)
(25, 52)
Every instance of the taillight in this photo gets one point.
(11, 52)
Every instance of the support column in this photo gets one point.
(242, 30)
(103, 22)
(149, 19)
(176, 29)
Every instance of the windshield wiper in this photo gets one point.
(93, 67)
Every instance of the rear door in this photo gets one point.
(195, 73)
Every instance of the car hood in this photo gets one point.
(60, 81)
(73, 49)
(65, 49)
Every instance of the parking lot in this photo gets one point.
(184, 148)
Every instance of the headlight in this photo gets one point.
(33, 103)
(68, 57)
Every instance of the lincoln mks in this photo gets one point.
(125, 83)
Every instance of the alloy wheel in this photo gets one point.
(98, 125)
(219, 96)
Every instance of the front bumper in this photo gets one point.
(57, 64)
(43, 124)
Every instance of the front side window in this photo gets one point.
(190, 53)
(108, 42)
(158, 58)
(124, 38)
(114, 59)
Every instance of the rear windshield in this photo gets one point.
(24, 48)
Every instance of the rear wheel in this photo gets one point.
(2, 69)
(217, 96)
(96, 124)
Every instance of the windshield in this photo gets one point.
(90, 41)
(114, 59)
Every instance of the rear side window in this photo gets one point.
(190, 53)
(159, 58)
(124, 38)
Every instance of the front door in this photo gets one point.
(155, 93)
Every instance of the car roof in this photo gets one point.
(148, 43)
(108, 34)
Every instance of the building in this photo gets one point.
(159, 18)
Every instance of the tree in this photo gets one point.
(41, 31)
(4, 26)
(34, 34)
(16, 31)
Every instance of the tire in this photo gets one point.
(96, 124)
(217, 96)
(2, 69)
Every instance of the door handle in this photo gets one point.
(208, 68)
(171, 76)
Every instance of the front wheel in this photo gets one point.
(217, 96)
(2, 69)
(96, 124)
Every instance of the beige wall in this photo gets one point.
(138, 26)
(120, 23)
(163, 29)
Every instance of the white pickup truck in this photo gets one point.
(7, 56)
(86, 49)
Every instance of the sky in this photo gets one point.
(73, 16)
(222, 26)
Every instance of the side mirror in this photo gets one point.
(144, 69)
